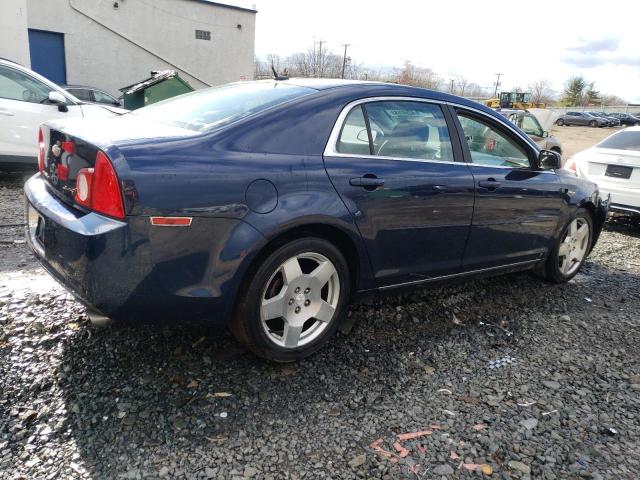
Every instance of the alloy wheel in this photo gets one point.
(300, 300)
(573, 247)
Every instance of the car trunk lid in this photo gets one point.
(73, 145)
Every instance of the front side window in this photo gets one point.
(530, 126)
(397, 129)
(15, 85)
(491, 147)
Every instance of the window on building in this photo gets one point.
(203, 35)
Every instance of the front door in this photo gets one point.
(517, 205)
(24, 105)
(400, 174)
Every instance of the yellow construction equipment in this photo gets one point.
(517, 100)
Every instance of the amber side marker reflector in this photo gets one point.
(171, 221)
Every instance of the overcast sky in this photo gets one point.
(525, 41)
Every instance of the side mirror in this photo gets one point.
(545, 134)
(549, 160)
(57, 98)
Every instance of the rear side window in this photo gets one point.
(397, 129)
(103, 97)
(209, 108)
(622, 141)
(81, 93)
(354, 138)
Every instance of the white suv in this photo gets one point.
(27, 100)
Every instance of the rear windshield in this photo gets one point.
(622, 141)
(212, 107)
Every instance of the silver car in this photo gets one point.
(530, 125)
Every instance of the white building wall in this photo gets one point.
(14, 37)
(109, 47)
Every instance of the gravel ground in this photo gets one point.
(575, 139)
(562, 400)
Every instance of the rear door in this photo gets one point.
(401, 175)
(517, 206)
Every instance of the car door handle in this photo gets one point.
(489, 184)
(6, 112)
(369, 183)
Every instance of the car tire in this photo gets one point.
(305, 278)
(593, 123)
(560, 122)
(570, 249)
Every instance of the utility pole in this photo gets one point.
(495, 93)
(451, 90)
(320, 42)
(314, 57)
(344, 57)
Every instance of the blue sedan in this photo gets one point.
(266, 205)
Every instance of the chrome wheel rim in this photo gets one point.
(574, 246)
(299, 301)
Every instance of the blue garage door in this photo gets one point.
(47, 55)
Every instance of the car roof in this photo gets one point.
(3, 59)
(80, 86)
(376, 89)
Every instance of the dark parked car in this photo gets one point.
(91, 94)
(581, 118)
(612, 121)
(626, 119)
(266, 205)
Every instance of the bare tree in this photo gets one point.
(541, 91)
(462, 83)
(418, 77)
(476, 91)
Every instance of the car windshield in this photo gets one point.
(622, 141)
(206, 109)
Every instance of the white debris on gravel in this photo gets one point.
(81, 402)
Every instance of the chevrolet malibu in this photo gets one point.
(265, 205)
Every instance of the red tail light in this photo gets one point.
(98, 188)
(42, 149)
(69, 147)
(571, 165)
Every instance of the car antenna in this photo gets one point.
(276, 76)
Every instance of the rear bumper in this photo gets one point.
(628, 209)
(602, 210)
(126, 270)
(621, 198)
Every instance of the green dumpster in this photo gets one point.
(161, 85)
